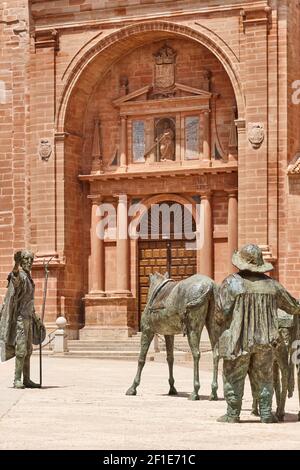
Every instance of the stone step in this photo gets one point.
(129, 348)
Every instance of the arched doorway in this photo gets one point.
(167, 231)
(112, 127)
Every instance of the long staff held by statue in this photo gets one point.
(43, 313)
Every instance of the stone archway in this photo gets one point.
(81, 82)
(112, 46)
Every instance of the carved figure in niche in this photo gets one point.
(165, 140)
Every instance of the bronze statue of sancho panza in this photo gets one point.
(247, 304)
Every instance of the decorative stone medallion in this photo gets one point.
(256, 134)
(45, 149)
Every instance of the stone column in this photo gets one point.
(97, 272)
(123, 142)
(205, 254)
(232, 227)
(122, 246)
(206, 137)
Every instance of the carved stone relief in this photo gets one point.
(45, 149)
(256, 134)
(294, 166)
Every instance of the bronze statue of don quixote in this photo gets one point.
(20, 327)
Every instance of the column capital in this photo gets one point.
(96, 198)
(240, 125)
(121, 197)
(205, 194)
(60, 136)
(231, 192)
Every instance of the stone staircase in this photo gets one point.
(129, 349)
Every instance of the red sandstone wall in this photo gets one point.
(41, 206)
(14, 109)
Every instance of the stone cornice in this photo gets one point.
(256, 14)
(106, 17)
(168, 172)
(48, 38)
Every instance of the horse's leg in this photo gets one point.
(216, 358)
(254, 410)
(146, 339)
(214, 384)
(170, 358)
(194, 340)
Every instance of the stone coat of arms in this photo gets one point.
(164, 68)
(45, 149)
(256, 134)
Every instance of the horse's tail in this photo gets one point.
(214, 330)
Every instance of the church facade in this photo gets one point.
(111, 108)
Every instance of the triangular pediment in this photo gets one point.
(191, 91)
(132, 96)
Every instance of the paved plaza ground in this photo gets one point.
(83, 406)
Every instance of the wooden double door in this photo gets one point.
(163, 256)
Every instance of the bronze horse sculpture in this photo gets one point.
(178, 307)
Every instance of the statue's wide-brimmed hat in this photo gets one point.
(250, 258)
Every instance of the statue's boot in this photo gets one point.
(265, 405)
(228, 419)
(18, 372)
(26, 375)
(234, 405)
(233, 412)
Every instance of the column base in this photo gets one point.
(110, 316)
(206, 163)
(121, 293)
(122, 169)
(97, 293)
